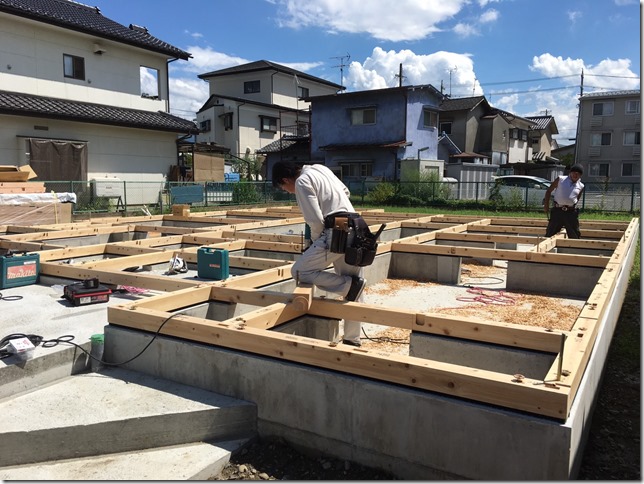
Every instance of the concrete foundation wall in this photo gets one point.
(554, 279)
(413, 434)
(498, 358)
(425, 267)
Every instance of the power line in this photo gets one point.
(527, 80)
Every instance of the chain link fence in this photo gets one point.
(105, 196)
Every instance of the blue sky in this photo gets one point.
(525, 56)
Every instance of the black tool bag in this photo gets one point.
(351, 236)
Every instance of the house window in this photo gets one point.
(598, 169)
(630, 169)
(430, 118)
(600, 139)
(603, 109)
(631, 138)
(149, 81)
(535, 140)
(302, 91)
(74, 67)
(268, 123)
(228, 121)
(363, 116)
(355, 169)
(516, 133)
(204, 126)
(251, 87)
(632, 107)
(446, 128)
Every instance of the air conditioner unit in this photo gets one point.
(99, 49)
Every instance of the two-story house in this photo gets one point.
(375, 134)
(253, 105)
(541, 137)
(608, 138)
(83, 97)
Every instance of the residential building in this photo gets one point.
(608, 139)
(476, 127)
(541, 137)
(253, 105)
(374, 134)
(84, 97)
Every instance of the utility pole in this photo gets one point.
(342, 66)
(400, 75)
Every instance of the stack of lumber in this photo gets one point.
(22, 187)
(32, 211)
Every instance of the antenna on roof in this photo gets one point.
(342, 66)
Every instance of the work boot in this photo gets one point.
(357, 286)
(351, 343)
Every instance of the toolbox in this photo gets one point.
(212, 263)
(19, 270)
(86, 292)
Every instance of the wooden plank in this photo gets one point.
(148, 281)
(447, 250)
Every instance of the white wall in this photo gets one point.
(35, 53)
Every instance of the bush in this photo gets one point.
(244, 192)
(382, 193)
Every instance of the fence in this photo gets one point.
(97, 196)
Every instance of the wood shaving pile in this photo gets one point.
(527, 309)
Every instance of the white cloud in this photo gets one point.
(490, 15)
(574, 15)
(465, 30)
(196, 35)
(414, 19)
(380, 69)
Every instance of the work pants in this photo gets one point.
(564, 218)
(310, 268)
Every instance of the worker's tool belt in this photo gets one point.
(351, 236)
(565, 208)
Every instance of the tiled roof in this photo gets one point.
(462, 103)
(18, 104)
(82, 18)
(284, 144)
(264, 65)
(543, 122)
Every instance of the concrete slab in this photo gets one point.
(198, 461)
(114, 411)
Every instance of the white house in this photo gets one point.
(255, 104)
(83, 97)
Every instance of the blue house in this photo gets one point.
(378, 134)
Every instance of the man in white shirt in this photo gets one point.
(564, 213)
(320, 194)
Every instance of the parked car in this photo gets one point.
(529, 190)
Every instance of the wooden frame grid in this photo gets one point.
(251, 332)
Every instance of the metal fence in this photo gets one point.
(106, 196)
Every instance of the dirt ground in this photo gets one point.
(612, 452)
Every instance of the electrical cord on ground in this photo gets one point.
(10, 298)
(467, 271)
(67, 339)
(385, 339)
(499, 298)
